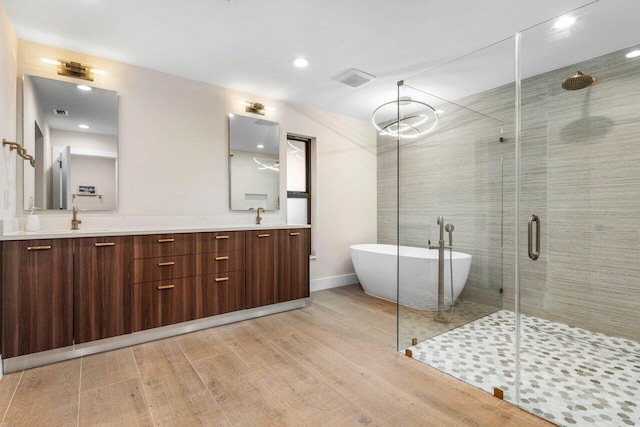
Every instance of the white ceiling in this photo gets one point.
(248, 45)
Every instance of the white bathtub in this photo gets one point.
(376, 267)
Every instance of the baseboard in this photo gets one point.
(333, 282)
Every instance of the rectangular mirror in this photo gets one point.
(254, 163)
(72, 129)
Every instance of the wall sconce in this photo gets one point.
(22, 152)
(72, 69)
(75, 69)
(254, 107)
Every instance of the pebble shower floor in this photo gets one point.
(569, 375)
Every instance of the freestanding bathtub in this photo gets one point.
(376, 267)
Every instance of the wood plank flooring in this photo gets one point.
(330, 364)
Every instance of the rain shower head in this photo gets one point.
(578, 81)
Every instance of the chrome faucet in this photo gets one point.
(258, 217)
(74, 220)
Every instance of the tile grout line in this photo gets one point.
(79, 391)
(144, 393)
(4, 417)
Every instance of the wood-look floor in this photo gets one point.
(333, 363)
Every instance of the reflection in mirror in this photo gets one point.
(254, 163)
(73, 131)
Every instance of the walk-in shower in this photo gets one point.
(538, 166)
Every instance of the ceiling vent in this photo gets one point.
(354, 78)
(57, 112)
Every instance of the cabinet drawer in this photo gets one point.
(220, 262)
(220, 241)
(221, 293)
(156, 245)
(163, 303)
(163, 268)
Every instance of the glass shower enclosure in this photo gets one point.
(516, 212)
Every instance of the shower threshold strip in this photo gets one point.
(569, 375)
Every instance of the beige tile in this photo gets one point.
(47, 395)
(115, 404)
(106, 368)
(201, 344)
(8, 385)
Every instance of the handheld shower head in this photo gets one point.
(449, 228)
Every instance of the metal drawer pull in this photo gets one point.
(38, 248)
(221, 258)
(165, 264)
(221, 279)
(222, 237)
(294, 234)
(161, 287)
(263, 235)
(100, 245)
(166, 240)
(534, 255)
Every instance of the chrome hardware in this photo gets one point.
(534, 255)
(449, 229)
(100, 245)
(38, 248)
(161, 287)
(263, 235)
(221, 258)
(165, 264)
(222, 237)
(166, 240)
(294, 234)
(74, 219)
(221, 279)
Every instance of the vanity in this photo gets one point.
(73, 294)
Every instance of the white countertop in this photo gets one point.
(98, 232)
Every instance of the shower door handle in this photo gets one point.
(534, 255)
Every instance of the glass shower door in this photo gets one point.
(579, 217)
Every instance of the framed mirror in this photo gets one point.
(72, 129)
(254, 163)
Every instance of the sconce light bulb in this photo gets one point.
(84, 87)
(83, 126)
(260, 146)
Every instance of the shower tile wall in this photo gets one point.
(456, 173)
(580, 175)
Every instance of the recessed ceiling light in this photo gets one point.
(300, 62)
(260, 146)
(84, 87)
(633, 54)
(83, 126)
(564, 22)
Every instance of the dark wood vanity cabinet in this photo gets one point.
(261, 268)
(102, 287)
(277, 266)
(221, 280)
(293, 263)
(37, 295)
(91, 288)
(164, 284)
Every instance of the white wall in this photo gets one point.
(8, 67)
(174, 131)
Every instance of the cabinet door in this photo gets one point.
(37, 296)
(293, 263)
(261, 268)
(163, 303)
(221, 293)
(102, 287)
